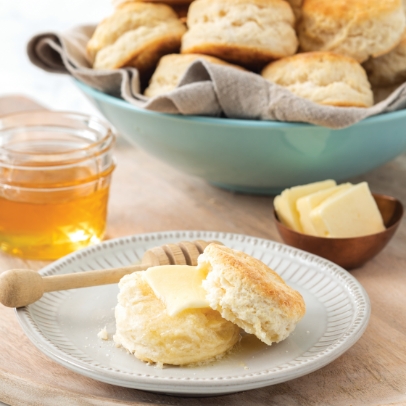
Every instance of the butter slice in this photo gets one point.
(349, 213)
(306, 204)
(179, 287)
(285, 203)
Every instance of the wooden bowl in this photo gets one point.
(353, 252)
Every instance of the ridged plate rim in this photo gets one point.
(188, 385)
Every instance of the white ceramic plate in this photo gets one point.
(64, 325)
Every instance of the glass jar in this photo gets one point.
(55, 172)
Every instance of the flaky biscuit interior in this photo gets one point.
(250, 294)
(144, 328)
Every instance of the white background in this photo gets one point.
(19, 21)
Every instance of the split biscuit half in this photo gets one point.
(248, 293)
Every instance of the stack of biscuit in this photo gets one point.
(328, 52)
(242, 293)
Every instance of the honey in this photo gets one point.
(54, 224)
(54, 191)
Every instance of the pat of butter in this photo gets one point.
(349, 213)
(285, 203)
(179, 287)
(306, 204)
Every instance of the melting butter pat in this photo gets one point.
(350, 213)
(179, 287)
(285, 203)
(306, 204)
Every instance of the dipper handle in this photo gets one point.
(21, 287)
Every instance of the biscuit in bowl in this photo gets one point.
(171, 68)
(323, 77)
(356, 28)
(250, 33)
(180, 6)
(297, 8)
(250, 294)
(144, 328)
(388, 69)
(137, 34)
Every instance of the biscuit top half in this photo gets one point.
(264, 283)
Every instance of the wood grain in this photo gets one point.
(149, 196)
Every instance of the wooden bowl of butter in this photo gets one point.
(345, 224)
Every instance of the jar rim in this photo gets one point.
(104, 150)
(109, 132)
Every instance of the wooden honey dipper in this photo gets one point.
(21, 287)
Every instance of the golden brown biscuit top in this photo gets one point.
(141, 5)
(190, 58)
(260, 3)
(356, 10)
(308, 58)
(261, 279)
(127, 17)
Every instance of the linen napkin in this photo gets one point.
(205, 89)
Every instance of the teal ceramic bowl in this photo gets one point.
(261, 157)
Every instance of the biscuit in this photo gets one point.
(118, 3)
(250, 33)
(180, 7)
(171, 68)
(137, 35)
(297, 8)
(388, 69)
(323, 77)
(144, 328)
(356, 28)
(248, 293)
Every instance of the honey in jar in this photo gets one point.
(55, 172)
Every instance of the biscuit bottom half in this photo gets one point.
(144, 328)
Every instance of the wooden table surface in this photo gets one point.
(148, 196)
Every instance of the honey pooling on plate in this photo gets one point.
(54, 185)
